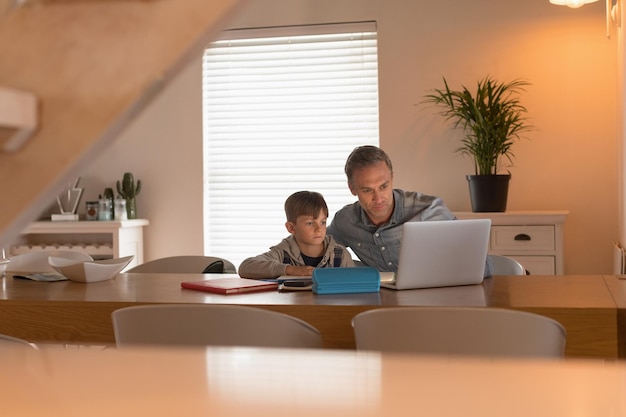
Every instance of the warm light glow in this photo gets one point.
(572, 3)
(612, 11)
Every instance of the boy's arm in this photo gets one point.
(265, 266)
(300, 271)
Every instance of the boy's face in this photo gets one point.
(309, 230)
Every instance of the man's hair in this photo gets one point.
(305, 203)
(364, 156)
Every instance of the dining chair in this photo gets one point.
(37, 260)
(187, 264)
(504, 265)
(459, 331)
(202, 325)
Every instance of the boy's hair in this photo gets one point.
(304, 203)
(364, 156)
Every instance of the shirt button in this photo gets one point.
(389, 263)
(376, 234)
(382, 248)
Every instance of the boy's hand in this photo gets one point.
(304, 271)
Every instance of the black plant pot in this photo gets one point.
(488, 193)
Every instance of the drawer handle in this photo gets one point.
(522, 236)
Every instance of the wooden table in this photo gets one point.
(71, 312)
(617, 287)
(243, 382)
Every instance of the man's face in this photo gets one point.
(373, 185)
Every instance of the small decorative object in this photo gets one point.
(108, 194)
(120, 209)
(492, 119)
(91, 210)
(105, 209)
(128, 190)
(68, 202)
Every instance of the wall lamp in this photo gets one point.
(612, 10)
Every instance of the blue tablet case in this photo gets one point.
(345, 280)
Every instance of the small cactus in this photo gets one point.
(128, 190)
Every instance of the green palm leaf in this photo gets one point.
(492, 119)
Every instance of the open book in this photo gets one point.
(42, 276)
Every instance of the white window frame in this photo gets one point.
(263, 144)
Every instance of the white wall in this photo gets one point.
(569, 162)
(163, 149)
(621, 133)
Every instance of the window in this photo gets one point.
(283, 108)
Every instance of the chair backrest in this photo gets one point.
(187, 264)
(37, 261)
(203, 325)
(459, 331)
(503, 265)
(6, 340)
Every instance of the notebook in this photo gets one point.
(230, 285)
(441, 254)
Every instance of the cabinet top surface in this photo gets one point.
(42, 226)
(530, 217)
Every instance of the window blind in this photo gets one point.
(282, 108)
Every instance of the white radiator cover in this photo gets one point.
(619, 259)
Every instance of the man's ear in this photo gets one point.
(290, 227)
(351, 189)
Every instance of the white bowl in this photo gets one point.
(37, 260)
(89, 271)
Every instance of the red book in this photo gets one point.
(231, 285)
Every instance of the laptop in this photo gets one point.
(440, 254)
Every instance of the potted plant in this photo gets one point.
(492, 119)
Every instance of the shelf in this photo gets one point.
(100, 239)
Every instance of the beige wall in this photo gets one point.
(621, 115)
(569, 162)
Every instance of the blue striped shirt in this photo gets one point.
(379, 246)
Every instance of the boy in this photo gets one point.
(306, 248)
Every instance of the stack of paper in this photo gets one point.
(345, 280)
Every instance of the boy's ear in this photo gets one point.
(290, 227)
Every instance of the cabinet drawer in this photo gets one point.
(522, 238)
(538, 265)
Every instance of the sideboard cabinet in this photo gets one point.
(534, 238)
(100, 239)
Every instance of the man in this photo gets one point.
(372, 227)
